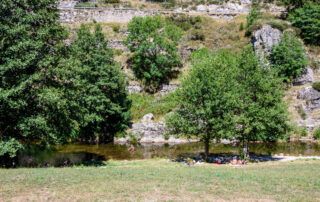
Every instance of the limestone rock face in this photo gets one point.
(135, 89)
(264, 39)
(149, 131)
(311, 96)
(306, 77)
(308, 94)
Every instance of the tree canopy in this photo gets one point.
(207, 98)
(229, 97)
(31, 41)
(99, 87)
(307, 20)
(50, 92)
(153, 42)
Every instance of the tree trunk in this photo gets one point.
(206, 148)
(245, 150)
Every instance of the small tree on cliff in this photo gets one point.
(288, 58)
(261, 113)
(153, 42)
(208, 97)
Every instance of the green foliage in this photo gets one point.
(316, 85)
(186, 22)
(94, 87)
(301, 112)
(288, 58)
(31, 110)
(307, 20)
(50, 93)
(229, 97)
(197, 35)
(293, 4)
(207, 98)
(253, 16)
(262, 115)
(9, 147)
(316, 134)
(153, 41)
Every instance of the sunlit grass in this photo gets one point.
(164, 180)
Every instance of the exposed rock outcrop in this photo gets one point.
(306, 77)
(311, 96)
(264, 39)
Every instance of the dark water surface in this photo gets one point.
(96, 154)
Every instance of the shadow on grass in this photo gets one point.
(55, 160)
(223, 158)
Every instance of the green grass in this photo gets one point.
(162, 180)
(143, 104)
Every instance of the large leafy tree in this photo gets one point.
(289, 57)
(30, 41)
(307, 20)
(230, 97)
(153, 42)
(207, 98)
(98, 87)
(262, 115)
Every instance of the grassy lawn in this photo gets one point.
(162, 180)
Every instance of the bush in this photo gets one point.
(316, 134)
(316, 86)
(153, 42)
(115, 28)
(10, 147)
(253, 16)
(197, 35)
(186, 22)
(307, 20)
(289, 57)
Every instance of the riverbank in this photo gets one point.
(163, 180)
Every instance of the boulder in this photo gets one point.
(306, 77)
(264, 39)
(202, 8)
(147, 118)
(308, 94)
(135, 89)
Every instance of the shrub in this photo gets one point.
(307, 20)
(115, 28)
(253, 16)
(197, 35)
(289, 57)
(301, 112)
(316, 86)
(316, 134)
(10, 147)
(186, 22)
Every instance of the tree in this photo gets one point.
(153, 42)
(307, 20)
(98, 88)
(207, 98)
(261, 113)
(289, 57)
(230, 97)
(30, 43)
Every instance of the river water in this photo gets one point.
(76, 154)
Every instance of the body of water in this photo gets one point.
(77, 154)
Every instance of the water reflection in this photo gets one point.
(76, 154)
